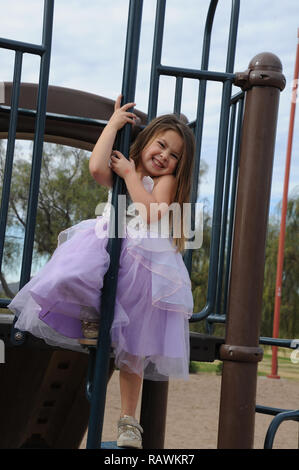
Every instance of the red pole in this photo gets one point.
(280, 255)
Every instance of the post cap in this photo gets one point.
(265, 61)
(265, 69)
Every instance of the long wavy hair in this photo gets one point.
(184, 168)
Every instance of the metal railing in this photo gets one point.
(229, 135)
(44, 51)
(203, 75)
(281, 415)
(100, 361)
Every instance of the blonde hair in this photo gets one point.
(184, 168)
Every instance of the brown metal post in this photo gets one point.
(153, 413)
(240, 353)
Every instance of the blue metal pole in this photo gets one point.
(38, 141)
(220, 170)
(10, 149)
(200, 116)
(100, 376)
(156, 59)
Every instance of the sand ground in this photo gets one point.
(193, 408)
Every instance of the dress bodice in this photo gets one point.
(134, 220)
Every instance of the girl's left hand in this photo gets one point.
(121, 165)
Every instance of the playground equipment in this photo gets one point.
(53, 393)
(280, 255)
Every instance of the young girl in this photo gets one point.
(149, 334)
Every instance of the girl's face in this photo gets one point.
(162, 154)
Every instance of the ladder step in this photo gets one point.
(88, 342)
(109, 445)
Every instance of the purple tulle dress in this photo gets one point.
(150, 330)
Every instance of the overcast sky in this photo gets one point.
(88, 52)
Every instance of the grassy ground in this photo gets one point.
(286, 368)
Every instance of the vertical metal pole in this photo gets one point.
(10, 149)
(232, 206)
(221, 151)
(218, 199)
(218, 301)
(154, 395)
(280, 255)
(200, 118)
(178, 95)
(37, 153)
(101, 369)
(156, 59)
(240, 354)
(232, 40)
(38, 142)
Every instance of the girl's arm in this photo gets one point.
(162, 195)
(98, 163)
(163, 191)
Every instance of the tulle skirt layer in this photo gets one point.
(149, 334)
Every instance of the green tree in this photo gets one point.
(290, 286)
(289, 310)
(269, 279)
(199, 273)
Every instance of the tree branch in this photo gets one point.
(16, 212)
(6, 289)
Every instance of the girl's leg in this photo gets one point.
(130, 385)
(129, 431)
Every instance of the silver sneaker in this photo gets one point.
(129, 433)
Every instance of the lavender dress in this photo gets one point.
(150, 330)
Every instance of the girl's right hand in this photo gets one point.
(121, 116)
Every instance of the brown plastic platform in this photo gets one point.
(43, 400)
(42, 395)
(65, 102)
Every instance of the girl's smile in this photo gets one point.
(162, 155)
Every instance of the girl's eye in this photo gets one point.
(175, 156)
(161, 144)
